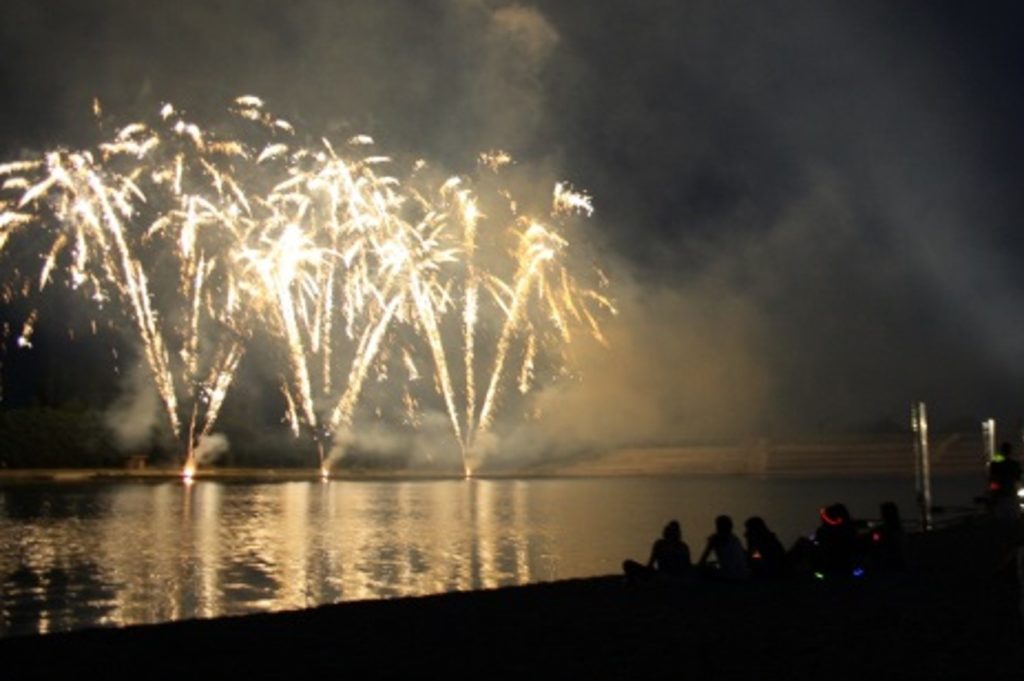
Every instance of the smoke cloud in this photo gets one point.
(809, 215)
(211, 448)
(429, 445)
(134, 415)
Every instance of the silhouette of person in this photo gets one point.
(836, 540)
(730, 559)
(887, 540)
(1003, 481)
(670, 557)
(765, 553)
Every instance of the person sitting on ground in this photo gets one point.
(887, 540)
(836, 539)
(765, 553)
(670, 557)
(730, 559)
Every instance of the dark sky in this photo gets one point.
(810, 210)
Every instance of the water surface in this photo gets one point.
(75, 555)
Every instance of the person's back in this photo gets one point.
(837, 541)
(766, 555)
(670, 556)
(730, 557)
(887, 540)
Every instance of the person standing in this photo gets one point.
(1003, 482)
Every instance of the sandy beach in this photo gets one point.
(954, 615)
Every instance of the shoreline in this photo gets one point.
(954, 615)
(78, 475)
(861, 457)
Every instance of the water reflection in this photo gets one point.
(78, 555)
(86, 555)
(57, 598)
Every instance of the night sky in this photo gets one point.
(809, 211)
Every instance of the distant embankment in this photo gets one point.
(888, 455)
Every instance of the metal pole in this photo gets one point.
(988, 435)
(915, 423)
(926, 468)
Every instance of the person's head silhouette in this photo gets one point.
(891, 514)
(756, 526)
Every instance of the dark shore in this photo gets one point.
(824, 456)
(953, 616)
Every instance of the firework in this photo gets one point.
(201, 240)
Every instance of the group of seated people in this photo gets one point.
(840, 547)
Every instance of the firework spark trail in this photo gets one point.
(190, 350)
(540, 269)
(223, 374)
(406, 257)
(532, 253)
(130, 281)
(326, 330)
(378, 244)
(470, 217)
(347, 207)
(97, 210)
(278, 264)
(92, 209)
(526, 371)
(428, 319)
(291, 415)
(208, 222)
(366, 353)
(27, 329)
(315, 243)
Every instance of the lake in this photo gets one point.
(75, 555)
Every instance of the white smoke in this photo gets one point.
(431, 444)
(210, 448)
(133, 415)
